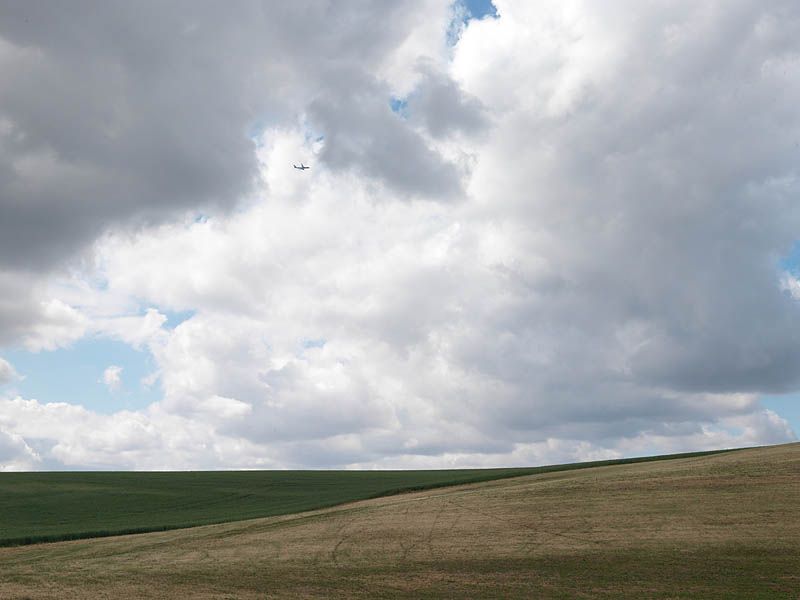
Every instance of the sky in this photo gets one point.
(532, 232)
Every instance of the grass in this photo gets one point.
(716, 526)
(49, 507)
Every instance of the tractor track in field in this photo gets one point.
(526, 526)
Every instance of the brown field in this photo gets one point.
(722, 526)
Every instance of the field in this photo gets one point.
(42, 507)
(719, 526)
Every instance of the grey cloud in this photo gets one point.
(667, 191)
(443, 108)
(17, 307)
(113, 114)
(127, 112)
(362, 133)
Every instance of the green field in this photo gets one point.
(46, 507)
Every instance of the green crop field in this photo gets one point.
(713, 527)
(43, 507)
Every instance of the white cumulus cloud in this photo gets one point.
(112, 377)
(7, 372)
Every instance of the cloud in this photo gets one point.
(363, 134)
(568, 250)
(112, 378)
(151, 118)
(59, 435)
(15, 454)
(7, 372)
(152, 121)
(442, 336)
(36, 435)
(443, 108)
(58, 325)
(655, 216)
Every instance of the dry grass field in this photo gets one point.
(721, 526)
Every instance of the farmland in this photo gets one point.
(41, 507)
(718, 526)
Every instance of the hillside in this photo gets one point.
(717, 526)
(47, 507)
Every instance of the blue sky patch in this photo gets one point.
(75, 375)
(399, 106)
(791, 262)
(175, 318)
(479, 9)
(463, 12)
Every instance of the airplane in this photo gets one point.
(302, 167)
